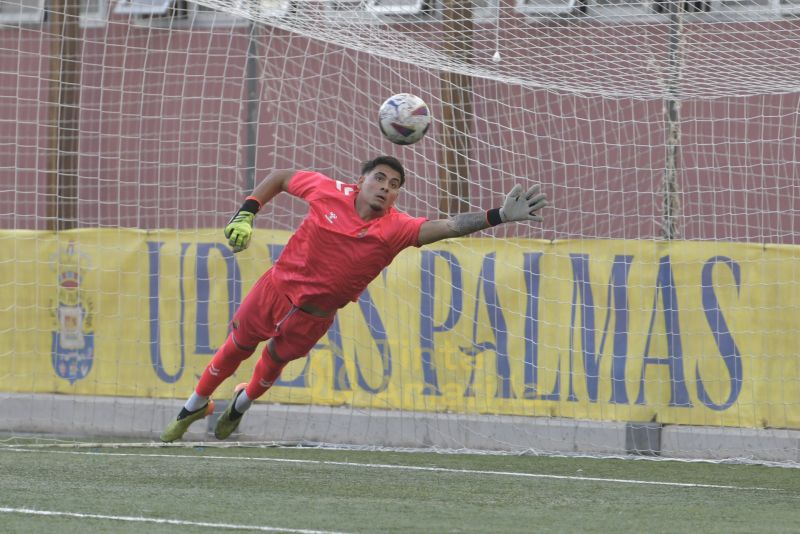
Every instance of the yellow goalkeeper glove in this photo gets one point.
(239, 229)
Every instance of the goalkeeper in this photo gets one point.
(351, 233)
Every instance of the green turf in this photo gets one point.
(336, 491)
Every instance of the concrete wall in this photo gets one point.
(87, 418)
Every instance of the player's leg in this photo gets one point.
(296, 337)
(267, 370)
(250, 326)
(224, 363)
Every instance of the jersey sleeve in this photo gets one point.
(304, 183)
(405, 231)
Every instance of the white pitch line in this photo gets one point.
(414, 468)
(155, 520)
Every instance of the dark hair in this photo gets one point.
(389, 161)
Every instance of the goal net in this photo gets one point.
(654, 311)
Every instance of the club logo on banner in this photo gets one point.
(73, 336)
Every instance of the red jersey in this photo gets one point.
(335, 254)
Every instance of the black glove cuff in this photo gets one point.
(493, 217)
(251, 204)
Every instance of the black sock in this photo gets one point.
(236, 414)
(185, 413)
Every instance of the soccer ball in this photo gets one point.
(404, 119)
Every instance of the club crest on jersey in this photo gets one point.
(331, 217)
(71, 309)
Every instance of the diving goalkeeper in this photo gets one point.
(351, 233)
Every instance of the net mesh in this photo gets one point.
(653, 310)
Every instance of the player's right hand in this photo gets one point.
(239, 230)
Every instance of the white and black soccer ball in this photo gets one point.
(404, 118)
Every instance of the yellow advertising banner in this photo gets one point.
(697, 333)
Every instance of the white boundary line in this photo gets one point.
(308, 445)
(155, 520)
(407, 468)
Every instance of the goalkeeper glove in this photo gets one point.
(520, 206)
(240, 228)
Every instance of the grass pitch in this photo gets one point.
(158, 489)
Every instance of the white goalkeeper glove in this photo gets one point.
(519, 206)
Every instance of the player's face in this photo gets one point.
(379, 188)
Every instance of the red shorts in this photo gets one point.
(267, 314)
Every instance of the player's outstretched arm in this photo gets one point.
(518, 206)
(239, 229)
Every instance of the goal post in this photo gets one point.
(652, 312)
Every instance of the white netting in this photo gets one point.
(621, 49)
(652, 311)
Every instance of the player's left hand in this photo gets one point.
(239, 230)
(519, 206)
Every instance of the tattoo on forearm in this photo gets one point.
(466, 223)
